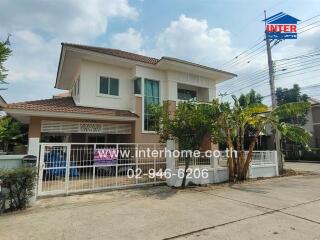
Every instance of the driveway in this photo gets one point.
(278, 208)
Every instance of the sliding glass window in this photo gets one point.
(151, 96)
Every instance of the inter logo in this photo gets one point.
(281, 26)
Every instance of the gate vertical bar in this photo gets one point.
(67, 171)
(117, 165)
(94, 168)
(136, 158)
(154, 163)
(41, 162)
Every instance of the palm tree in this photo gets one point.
(231, 123)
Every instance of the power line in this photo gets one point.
(264, 81)
(308, 19)
(314, 70)
(306, 55)
(294, 64)
(249, 81)
(309, 29)
(310, 24)
(301, 88)
(238, 57)
(257, 78)
(297, 70)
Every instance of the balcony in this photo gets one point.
(189, 92)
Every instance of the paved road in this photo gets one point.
(312, 167)
(279, 208)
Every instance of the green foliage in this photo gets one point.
(285, 95)
(9, 131)
(231, 125)
(227, 124)
(292, 95)
(5, 52)
(20, 183)
(295, 133)
(251, 98)
(188, 125)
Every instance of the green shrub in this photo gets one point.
(19, 184)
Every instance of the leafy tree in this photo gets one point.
(251, 98)
(245, 100)
(9, 131)
(285, 95)
(230, 125)
(5, 52)
(227, 124)
(188, 125)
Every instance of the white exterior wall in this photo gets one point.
(153, 74)
(169, 80)
(189, 79)
(90, 72)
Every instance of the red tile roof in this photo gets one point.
(66, 105)
(115, 52)
(138, 57)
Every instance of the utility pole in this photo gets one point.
(273, 95)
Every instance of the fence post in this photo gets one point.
(67, 170)
(215, 164)
(250, 170)
(275, 158)
(170, 161)
(41, 166)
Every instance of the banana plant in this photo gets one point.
(231, 123)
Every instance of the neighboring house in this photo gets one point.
(3, 103)
(62, 94)
(110, 90)
(313, 123)
(294, 151)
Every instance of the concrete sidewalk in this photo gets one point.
(279, 208)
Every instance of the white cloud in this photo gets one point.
(131, 40)
(39, 26)
(193, 39)
(33, 58)
(65, 19)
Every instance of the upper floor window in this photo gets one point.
(137, 86)
(184, 94)
(108, 86)
(151, 96)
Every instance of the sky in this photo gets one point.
(208, 32)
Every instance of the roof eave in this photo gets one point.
(199, 66)
(60, 65)
(35, 113)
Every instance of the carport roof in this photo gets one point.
(65, 105)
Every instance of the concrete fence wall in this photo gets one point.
(10, 161)
(263, 164)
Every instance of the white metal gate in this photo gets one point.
(71, 167)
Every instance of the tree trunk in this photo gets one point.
(5, 146)
(230, 157)
(183, 184)
(239, 155)
(249, 156)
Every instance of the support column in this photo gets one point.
(33, 145)
(170, 162)
(34, 137)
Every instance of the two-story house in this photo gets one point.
(109, 91)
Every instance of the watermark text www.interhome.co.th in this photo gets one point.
(163, 153)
